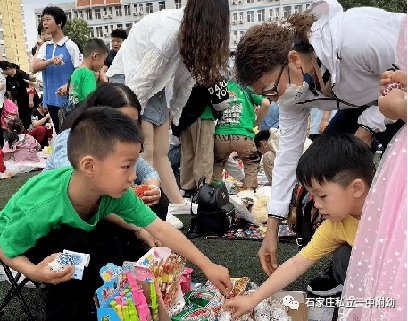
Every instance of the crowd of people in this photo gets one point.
(164, 108)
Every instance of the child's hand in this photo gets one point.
(152, 196)
(62, 91)
(240, 305)
(42, 273)
(393, 105)
(219, 276)
(57, 61)
(390, 77)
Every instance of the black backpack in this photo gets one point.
(308, 218)
(214, 211)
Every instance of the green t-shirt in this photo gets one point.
(82, 83)
(43, 204)
(239, 117)
(207, 113)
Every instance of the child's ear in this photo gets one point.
(87, 165)
(359, 188)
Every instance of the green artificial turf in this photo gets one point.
(239, 256)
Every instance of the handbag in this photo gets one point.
(214, 211)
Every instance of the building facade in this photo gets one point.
(103, 16)
(13, 40)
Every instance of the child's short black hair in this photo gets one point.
(119, 33)
(96, 131)
(261, 136)
(95, 45)
(338, 159)
(40, 28)
(57, 13)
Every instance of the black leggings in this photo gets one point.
(53, 110)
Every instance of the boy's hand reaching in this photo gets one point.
(42, 273)
(219, 276)
(240, 305)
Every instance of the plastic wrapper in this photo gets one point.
(193, 312)
(141, 189)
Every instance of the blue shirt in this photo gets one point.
(272, 118)
(317, 115)
(59, 158)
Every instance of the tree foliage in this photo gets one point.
(388, 5)
(78, 31)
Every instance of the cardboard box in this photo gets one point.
(299, 314)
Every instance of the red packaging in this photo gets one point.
(141, 189)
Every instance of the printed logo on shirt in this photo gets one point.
(232, 115)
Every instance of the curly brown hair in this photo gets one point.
(204, 39)
(266, 46)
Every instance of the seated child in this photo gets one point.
(338, 171)
(20, 147)
(60, 209)
(41, 123)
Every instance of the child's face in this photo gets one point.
(116, 43)
(98, 61)
(50, 26)
(334, 201)
(115, 174)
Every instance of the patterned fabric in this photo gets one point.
(377, 273)
(59, 158)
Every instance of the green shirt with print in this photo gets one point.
(239, 117)
(43, 204)
(82, 83)
(207, 114)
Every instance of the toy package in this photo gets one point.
(166, 268)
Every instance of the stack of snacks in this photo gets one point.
(205, 303)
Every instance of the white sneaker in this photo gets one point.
(184, 208)
(174, 221)
(3, 276)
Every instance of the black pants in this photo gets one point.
(107, 243)
(53, 110)
(345, 121)
(24, 110)
(341, 260)
(161, 208)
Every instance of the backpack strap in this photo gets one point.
(246, 89)
(299, 218)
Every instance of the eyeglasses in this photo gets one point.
(273, 92)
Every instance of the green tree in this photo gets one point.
(389, 5)
(78, 31)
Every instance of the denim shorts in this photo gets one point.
(156, 111)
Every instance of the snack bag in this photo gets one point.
(141, 189)
(193, 313)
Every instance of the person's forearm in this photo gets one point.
(283, 276)
(263, 112)
(2, 86)
(178, 243)
(117, 220)
(19, 263)
(326, 115)
(152, 181)
(273, 227)
(40, 122)
(41, 65)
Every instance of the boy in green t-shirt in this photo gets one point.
(83, 80)
(235, 132)
(60, 209)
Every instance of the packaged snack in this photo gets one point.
(141, 189)
(193, 313)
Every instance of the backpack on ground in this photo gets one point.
(214, 211)
(308, 218)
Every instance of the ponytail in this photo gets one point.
(302, 25)
(15, 127)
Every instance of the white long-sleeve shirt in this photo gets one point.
(356, 46)
(150, 60)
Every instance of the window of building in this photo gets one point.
(298, 8)
(80, 14)
(119, 26)
(106, 31)
(118, 10)
(91, 32)
(15, 38)
(235, 16)
(99, 32)
(250, 16)
(286, 12)
(129, 26)
(126, 7)
(69, 15)
(307, 6)
(250, 1)
(162, 5)
(98, 14)
(110, 9)
(149, 7)
(89, 14)
(241, 16)
(178, 4)
(261, 15)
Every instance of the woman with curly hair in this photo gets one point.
(325, 58)
(165, 54)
